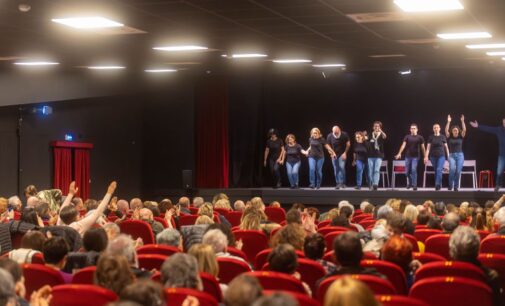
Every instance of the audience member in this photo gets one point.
(292, 234)
(7, 289)
(112, 230)
(218, 241)
(170, 237)
(31, 244)
(314, 247)
(146, 215)
(239, 205)
(124, 246)
(434, 223)
(440, 209)
(449, 223)
(423, 217)
(207, 261)
(243, 290)
(16, 272)
(113, 273)
(347, 291)
(55, 251)
(183, 203)
(499, 221)
(283, 259)
(144, 292)
(181, 271)
(398, 250)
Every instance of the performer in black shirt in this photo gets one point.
(274, 151)
(315, 153)
(375, 154)
(436, 152)
(292, 153)
(360, 155)
(456, 158)
(412, 144)
(340, 143)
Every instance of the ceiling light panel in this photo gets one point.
(428, 5)
(486, 46)
(464, 35)
(181, 48)
(291, 61)
(36, 63)
(95, 22)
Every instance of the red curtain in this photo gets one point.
(62, 168)
(211, 108)
(81, 172)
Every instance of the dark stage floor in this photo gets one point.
(325, 197)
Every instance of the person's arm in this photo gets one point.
(463, 126)
(488, 129)
(427, 153)
(383, 135)
(280, 160)
(72, 190)
(402, 147)
(347, 147)
(267, 150)
(498, 203)
(354, 159)
(88, 221)
(330, 151)
(423, 149)
(446, 147)
(447, 125)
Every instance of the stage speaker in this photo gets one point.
(187, 179)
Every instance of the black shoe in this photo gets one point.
(375, 187)
(409, 186)
(437, 188)
(337, 187)
(450, 188)
(318, 187)
(357, 187)
(456, 189)
(414, 188)
(497, 188)
(343, 186)
(312, 187)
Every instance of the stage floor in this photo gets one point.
(326, 197)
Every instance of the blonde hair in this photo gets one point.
(218, 197)
(334, 212)
(275, 204)
(257, 203)
(206, 210)
(347, 291)
(203, 219)
(223, 203)
(411, 212)
(251, 220)
(206, 258)
(315, 130)
(395, 204)
(3, 205)
(290, 136)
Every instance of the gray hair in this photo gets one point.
(112, 228)
(198, 201)
(15, 201)
(363, 205)
(217, 239)
(239, 205)
(123, 245)
(499, 217)
(7, 289)
(450, 222)
(384, 211)
(169, 236)
(32, 202)
(464, 244)
(181, 271)
(345, 203)
(123, 206)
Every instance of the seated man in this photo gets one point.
(450, 222)
(219, 242)
(170, 237)
(55, 252)
(181, 271)
(146, 215)
(123, 245)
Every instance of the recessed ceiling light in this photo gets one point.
(106, 67)
(95, 22)
(160, 70)
(291, 61)
(496, 53)
(328, 65)
(248, 55)
(181, 48)
(428, 5)
(503, 58)
(486, 46)
(39, 63)
(467, 35)
(405, 72)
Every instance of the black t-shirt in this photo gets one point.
(361, 151)
(413, 145)
(437, 145)
(455, 144)
(293, 153)
(275, 148)
(372, 150)
(338, 144)
(316, 147)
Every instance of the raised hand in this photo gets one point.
(398, 156)
(41, 297)
(449, 119)
(474, 124)
(112, 187)
(72, 189)
(462, 117)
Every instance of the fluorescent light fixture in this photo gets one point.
(291, 61)
(496, 53)
(248, 55)
(428, 5)
(386, 55)
(328, 65)
(486, 46)
(467, 35)
(160, 70)
(405, 72)
(94, 22)
(503, 58)
(106, 67)
(180, 48)
(41, 63)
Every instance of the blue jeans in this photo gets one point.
(293, 173)
(360, 168)
(411, 170)
(455, 166)
(315, 171)
(438, 166)
(499, 170)
(374, 168)
(339, 170)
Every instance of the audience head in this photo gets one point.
(112, 230)
(181, 271)
(3, 205)
(78, 203)
(340, 220)
(69, 214)
(398, 250)
(123, 206)
(32, 202)
(113, 273)
(251, 220)
(123, 245)
(204, 220)
(95, 239)
(144, 292)
(440, 209)
(346, 211)
(218, 197)
(29, 215)
(43, 210)
(30, 191)
(184, 202)
(226, 230)
(217, 239)
(146, 215)
(55, 251)
(499, 218)
(332, 213)
(206, 210)
(434, 223)
(410, 212)
(198, 201)
(135, 203)
(384, 211)
(292, 234)
(275, 204)
(165, 205)
(258, 204)
(16, 272)
(423, 217)
(223, 204)
(293, 216)
(170, 237)
(314, 246)
(7, 289)
(33, 240)
(239, 205)
(276, 299)
(243, 290)
(283, 259)
(15, 203)
(464, 244)
(450, 222)
(347, 291)
(91, 204)
(348, 250)
(396, 224)
(205, 257)
(363, 205)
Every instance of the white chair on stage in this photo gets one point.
(398, 169)
(471, 169)
(384, 172)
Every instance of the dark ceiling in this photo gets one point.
(320, 30)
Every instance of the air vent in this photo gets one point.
(378, 17)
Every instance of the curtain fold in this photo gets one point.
(62, 168)
(212, 157)
(81, 172)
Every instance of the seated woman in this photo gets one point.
(313, 248)
(94, 242)
(292, 234)
(31, 244)
(113, 273)
(55, 251)
(348, 291)
(283, 259)
(398, 250)
(207, 261)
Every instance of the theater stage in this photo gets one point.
(326, 197)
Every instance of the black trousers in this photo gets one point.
(275, 171)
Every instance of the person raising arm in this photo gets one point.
(455, 143)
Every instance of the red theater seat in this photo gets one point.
(330, 237)
(274, 231)
(261, 258)
(423, 234)
(158, 249)
(330, 256)
(497, 263)
(438, 244)
(187, 220)
(493, 244)
(359, 218)
(376, 284)
(278, 281)
(328, 229)
(392, 272)
(450, 268)
(303, 299)
(176, 296)
(151, 261)
(236, 252)
(275, 214)
(234, 217)
(229, 268)
(138, 229)
(253, 242)
(413, 241)
(310, 271)
(38, 258)
(37, 276)
(367, 223)
(222, 211)
(211, 286)
(84, 276)
(444, 291)
(81, 295)
(323, 224)
(398, 300)
(427, 257)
